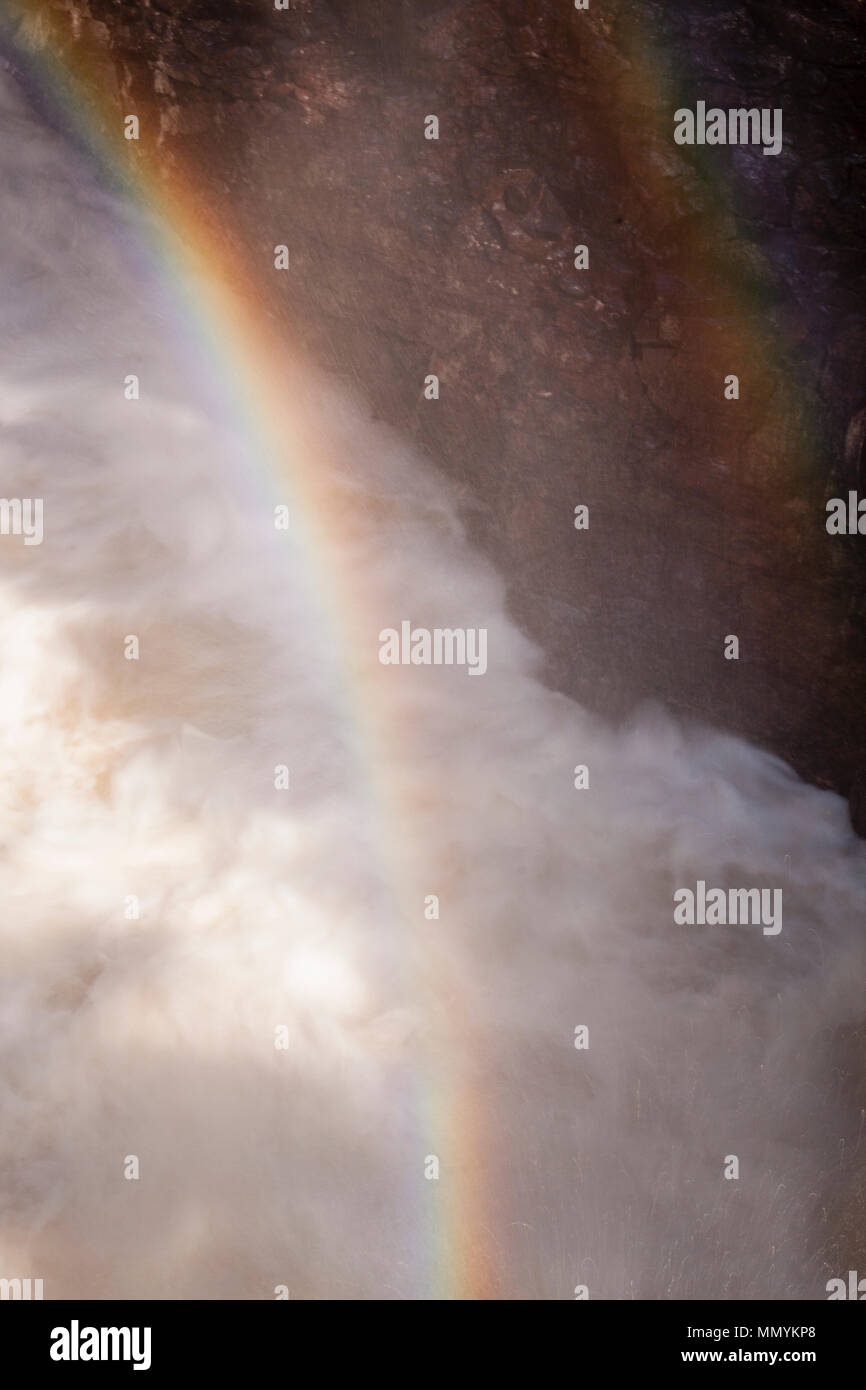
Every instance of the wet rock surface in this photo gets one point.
(561, 386)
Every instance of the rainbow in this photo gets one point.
(219, 300)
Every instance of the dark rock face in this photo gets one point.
(562, 386)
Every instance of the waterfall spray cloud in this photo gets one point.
(301, 908)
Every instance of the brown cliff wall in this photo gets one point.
(559, 387)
